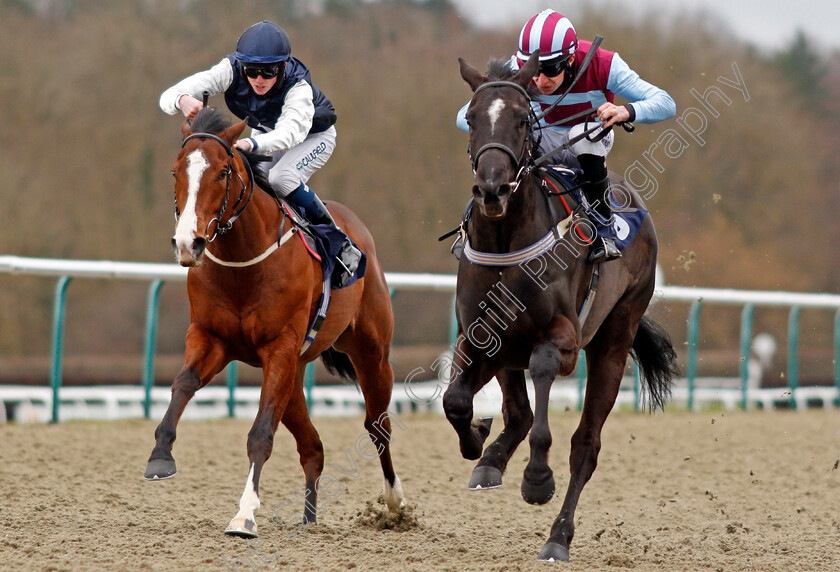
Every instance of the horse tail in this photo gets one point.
(337, 363)
(657, 359)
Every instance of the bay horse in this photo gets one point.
(523, 313)
(253, 301)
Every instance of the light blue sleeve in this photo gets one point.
(650, 103)
(461, 118)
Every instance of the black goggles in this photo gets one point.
(553, 68)
(267, 72)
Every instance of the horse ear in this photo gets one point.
(471, 75)
(231, 134)
(528, 71)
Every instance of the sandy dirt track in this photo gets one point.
(674, 491)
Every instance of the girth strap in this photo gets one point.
(589, 301)
(320, 316)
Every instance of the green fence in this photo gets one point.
(158, 274)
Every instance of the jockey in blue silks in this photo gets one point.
(291, 120)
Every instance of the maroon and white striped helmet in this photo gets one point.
(549, 32)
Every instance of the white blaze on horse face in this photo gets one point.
(494, 111)
(188, 221)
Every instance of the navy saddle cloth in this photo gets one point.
(328, 243)
(626, 221)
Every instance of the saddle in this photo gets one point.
(340, 264)
(626, 221)
(563, 188)
(333, 249)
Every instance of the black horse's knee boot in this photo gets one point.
(349, 256)
(597, 189)
(604, 248)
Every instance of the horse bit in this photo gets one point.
(222, 229)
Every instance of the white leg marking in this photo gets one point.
(249, 502)
(188, 221)
(494, 111)
(244, 521)
(394, 496)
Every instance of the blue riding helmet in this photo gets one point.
(263, 43)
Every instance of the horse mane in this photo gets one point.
(211, 120)
(501, 70)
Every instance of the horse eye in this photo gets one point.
(223, 174)
(173, 172)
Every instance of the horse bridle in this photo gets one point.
(522, 162)
(222, 229)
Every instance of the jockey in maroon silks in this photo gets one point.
(607, 75)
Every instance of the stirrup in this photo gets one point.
(457, 248)
(348, 260)
(603, 250)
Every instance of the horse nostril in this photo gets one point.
(174, 243)
(504, 189)
(476, 191)
(199, 244)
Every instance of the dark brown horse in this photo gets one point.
(253, 301)
(519, 308)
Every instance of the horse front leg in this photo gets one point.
(279, 367)
(204, 358)
(470, 375)
(516, 412)
(556, 355)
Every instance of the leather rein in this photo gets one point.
(222, 229)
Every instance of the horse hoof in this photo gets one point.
(244, 527)
(160, 469)
(485, 478)
(553, 552)
(538, 493)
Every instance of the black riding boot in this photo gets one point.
(604, 248)
(597, 189)
(349, 256)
